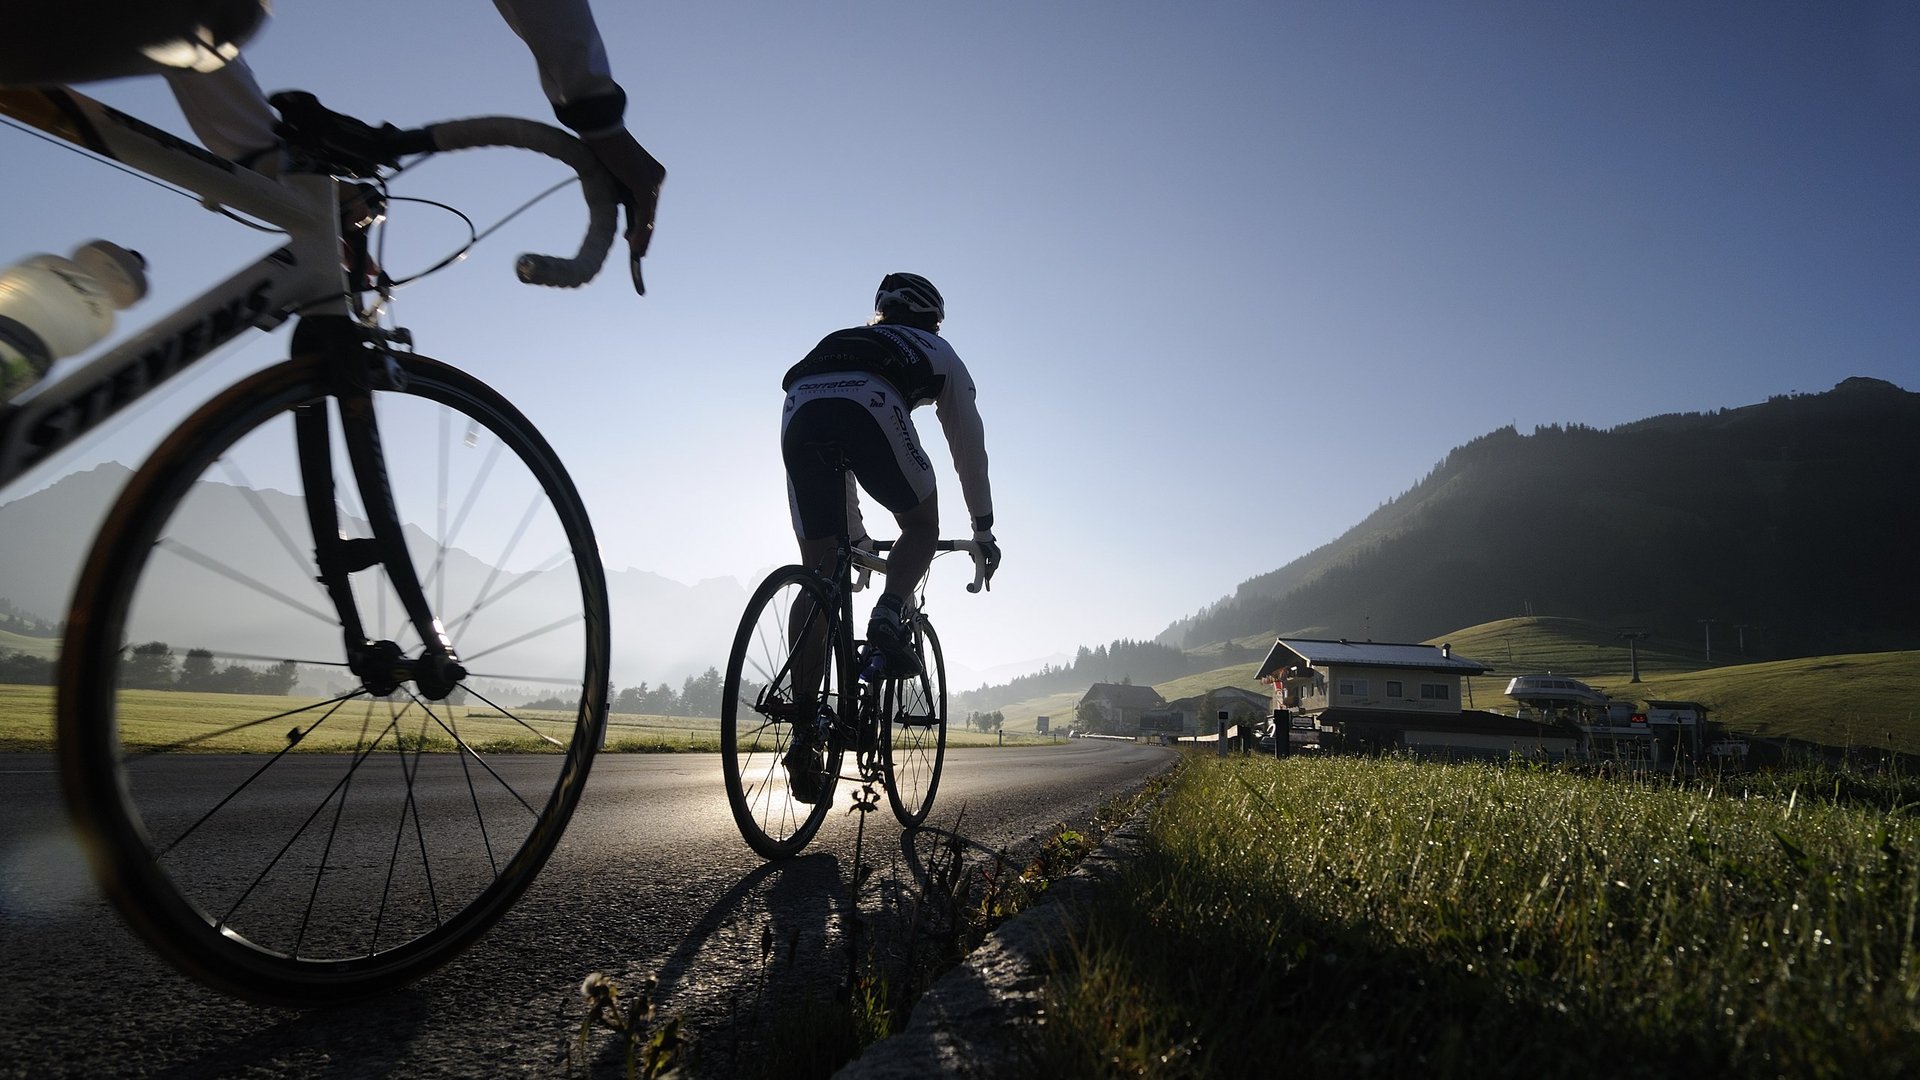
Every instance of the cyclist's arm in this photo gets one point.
(966, 437)
(227, 110)
(574, 72)
(572, 59)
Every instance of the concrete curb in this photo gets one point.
(975, 1020)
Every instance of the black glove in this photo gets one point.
(989, 549)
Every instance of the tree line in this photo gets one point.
(152, 666)
(699, 695)
(1123, 660)
(26, 624)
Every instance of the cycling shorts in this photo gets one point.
(862, 417)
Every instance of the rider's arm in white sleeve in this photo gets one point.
(572, 59)
(966, 437)
(227, 110)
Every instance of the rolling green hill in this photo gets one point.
(1856, 699)
(46, 648)
(1533, 645)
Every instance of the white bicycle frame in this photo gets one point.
(303, 276)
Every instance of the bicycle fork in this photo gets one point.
(382, 666)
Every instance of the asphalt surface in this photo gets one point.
(651, 882)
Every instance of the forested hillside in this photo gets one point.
(1790, 524)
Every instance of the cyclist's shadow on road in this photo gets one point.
(788, 935)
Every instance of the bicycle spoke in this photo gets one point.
(299, 559)
(297, 833)
(554, 562)
(289, 863)
(238, 578)
(526, 637)
(244, 784)
(511, 715)
(198, 739)
(473, 799)
(468, 751)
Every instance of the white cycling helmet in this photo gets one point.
(912, 293)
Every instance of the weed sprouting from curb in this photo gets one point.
(652, 1051)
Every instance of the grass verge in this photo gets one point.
(1389, 917)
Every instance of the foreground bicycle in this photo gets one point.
(359, 516)
(896, 728)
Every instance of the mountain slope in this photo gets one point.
(1788, 523)
(662, 630)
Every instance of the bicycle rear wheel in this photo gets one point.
(773, 686)
(259, 816)
(914, 733)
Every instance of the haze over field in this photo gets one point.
(1230, 275)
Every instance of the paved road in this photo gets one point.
(651, 881)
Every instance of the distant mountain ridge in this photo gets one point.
(663, 630)
(1791, 523)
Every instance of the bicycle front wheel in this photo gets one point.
(783, 675)
(266, 820)
(914, 732)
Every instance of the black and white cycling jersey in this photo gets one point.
(866, 381)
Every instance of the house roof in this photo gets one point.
(1236, 693)
(1123, 695)
(1315, 652)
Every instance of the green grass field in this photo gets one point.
(1384, 917)
(170, 717)
(234, 724)
(1536, 645)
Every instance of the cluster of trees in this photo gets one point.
(25, 669)
(699, 695)
(151, 667)
(16, 621)
(986, 721)
(1122, 661)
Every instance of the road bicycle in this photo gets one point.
(360, 517)
(797, 672)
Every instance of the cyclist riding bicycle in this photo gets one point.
(195, 45)
(856, 392)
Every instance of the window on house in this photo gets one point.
(1435, 692)
(1353, 687)
(1394, 688)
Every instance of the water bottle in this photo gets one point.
(51, 307)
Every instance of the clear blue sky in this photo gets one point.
(1230, 275)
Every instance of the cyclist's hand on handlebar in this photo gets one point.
(989, 550)
(639, 175)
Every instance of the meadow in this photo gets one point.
(1386, 917)
(211, 724)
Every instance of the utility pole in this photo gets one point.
(1741, 631)
(1708, 623)
(1633, 653)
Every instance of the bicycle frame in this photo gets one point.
(859, 708)
(302, 276)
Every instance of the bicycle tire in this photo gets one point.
(914, 730)
(187, 864)
(758, 711)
